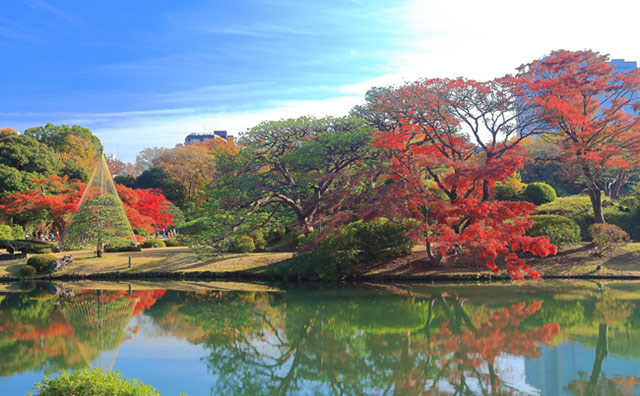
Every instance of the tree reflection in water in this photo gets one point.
(44, 330)
(396, 345)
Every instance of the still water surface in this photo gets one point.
(549, 338)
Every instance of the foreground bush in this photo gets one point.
(607, 237)
(41, 262)
(560, 230)
(149, 243)
(92, 382)
(539, 193)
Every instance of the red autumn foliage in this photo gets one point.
(57, 197)
(595, 108)
(54, 196)
(443, 180)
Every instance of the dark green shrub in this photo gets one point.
(340, 256)
(539, 193)
(242, 244)
(194, 227)
(379, 240)
(116, 249)
(560, 230)
(275, 234)
(92, 382)
(607, 237)
(41, 262)
(258, 240)
(27, 270)
(174, 242)
(150, 243)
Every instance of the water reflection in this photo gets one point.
(379, 339)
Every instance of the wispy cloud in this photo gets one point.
(42, 5)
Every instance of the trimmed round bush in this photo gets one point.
(174, 242)
(116, 249)
(242, 244)
(560, 230)
(27, 270)
(92, 382)
(539, 193)
(149, 243)
(41, 262)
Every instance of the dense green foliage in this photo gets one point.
(171, 188)
(41, 262)
(358, 247)
(92, 382)
(174, 242)
(539, 193)
(151, 243)
(27, 271)
(560, 230)
(100, 220)
(242, 244)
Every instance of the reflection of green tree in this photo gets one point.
(55, 333)
(354, 342)
(608, 311)
(100, 221)
(99, 319)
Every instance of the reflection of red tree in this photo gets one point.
(471, 352)
(500, 334)
(144, 299)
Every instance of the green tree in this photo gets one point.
(171, 188)
(100, 221)
(295, 164)
(26, 154)
(55, 136)
(13, 180)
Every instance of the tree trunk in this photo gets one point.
(602, 350)
(434, 259)
(623, 176)
(596, 201)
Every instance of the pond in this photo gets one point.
(549, 338)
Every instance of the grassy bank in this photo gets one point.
(181, 263)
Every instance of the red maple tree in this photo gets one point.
(55, 198)
(596, 108)
(446, 145)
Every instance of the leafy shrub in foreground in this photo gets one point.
(92, 382)
(539, 193)
(258, 240)
(41, 262)
(560, 230)
(607, 237)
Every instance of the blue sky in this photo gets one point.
(145, 73)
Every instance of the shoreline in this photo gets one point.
(249, 276)
(181, 263)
